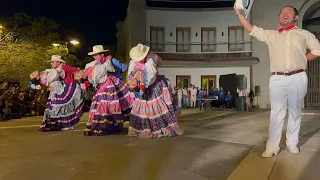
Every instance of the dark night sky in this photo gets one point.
(92, 22)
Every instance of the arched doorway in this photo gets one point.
(310, 14)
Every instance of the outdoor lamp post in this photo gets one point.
(74, 42)
(1, 28)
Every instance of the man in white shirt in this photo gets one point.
(288, 83)
(193, 98)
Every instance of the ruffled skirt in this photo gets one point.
(110, 107)
(155, 115)
(63, 109)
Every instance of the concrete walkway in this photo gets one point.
(252, 130)
(189, 111)
(285, 166)
(217, 145)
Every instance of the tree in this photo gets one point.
(25, 46)
(72, 60)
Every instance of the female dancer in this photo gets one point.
(154, 113)
(112, 102)
(64, 106)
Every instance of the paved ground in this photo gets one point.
(217, 145)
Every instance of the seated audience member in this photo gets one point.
(216, 92)
(200, 96)
(229, 99)
(212, 92)
(221, 97)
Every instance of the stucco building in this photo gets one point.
(199, 45)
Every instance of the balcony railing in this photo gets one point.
(200, 47)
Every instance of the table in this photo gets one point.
(207, 101)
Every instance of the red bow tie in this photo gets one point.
(280, 30)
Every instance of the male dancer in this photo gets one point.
(288, 83)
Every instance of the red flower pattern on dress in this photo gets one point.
(142, 87)
(87, 84)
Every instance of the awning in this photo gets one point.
(207, 60)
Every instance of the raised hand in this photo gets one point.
(133, 83)
(235, 7)
(138, 76)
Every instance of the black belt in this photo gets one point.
(288, 73)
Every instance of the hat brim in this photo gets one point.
(58, 60)
(245, 5)
(93, 53)
(138, 58)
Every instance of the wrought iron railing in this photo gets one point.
(200, 47)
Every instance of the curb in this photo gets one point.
(310, 114)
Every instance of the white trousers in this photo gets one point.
(180, 101)
(286, 92)
(193, 101)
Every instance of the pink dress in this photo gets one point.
(110, 105)
(155, 112)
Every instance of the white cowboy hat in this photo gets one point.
(97, 49)
(139, 52)
(244, 5)
(56, 58)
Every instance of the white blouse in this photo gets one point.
(50, 76)
(99, 73)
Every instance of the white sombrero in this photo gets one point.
(244, 5)
(56, 58)
(97, 49)
(139, 52)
